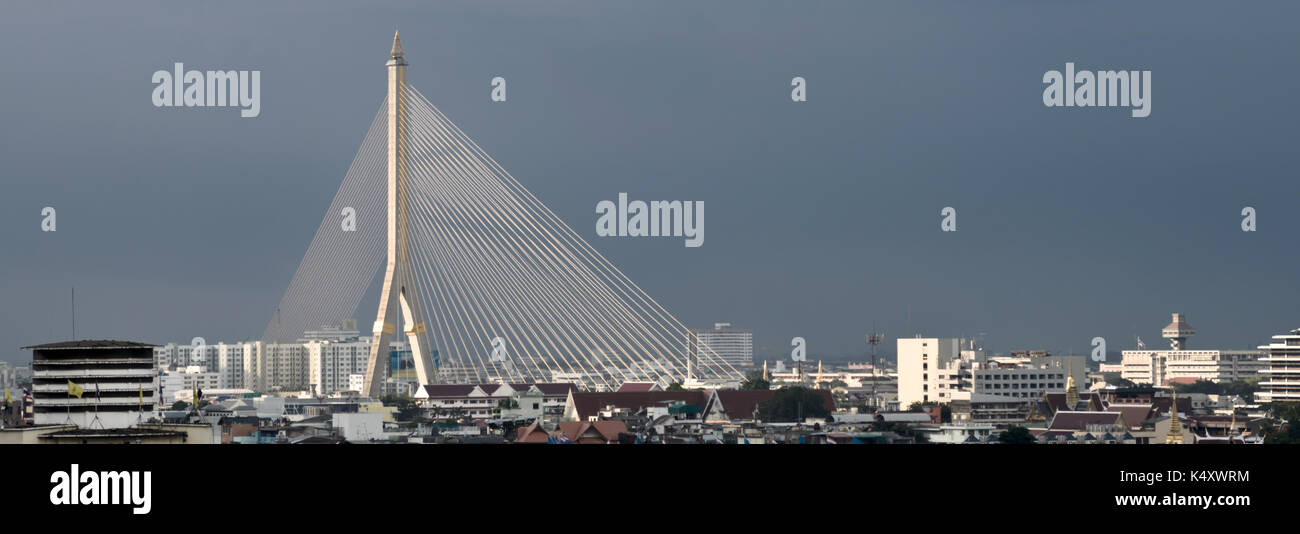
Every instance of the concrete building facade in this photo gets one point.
(1281, 380)
(733, 345)
(929, 370)
(1159, 367)
(116, 382)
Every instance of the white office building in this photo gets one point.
(732, 345)
(930, 370)
(1281, 379)
(1020, 383)
(179, 383)
(1159, 367)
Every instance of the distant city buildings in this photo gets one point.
(1178, 364)
(732, 345)
(227, 360)
(323, 362)
(1281, 379)
(1028, 374)
(12, 376)
(176, 381)
(938, 370)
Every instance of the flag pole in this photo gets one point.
(69, 405)
(96, 419)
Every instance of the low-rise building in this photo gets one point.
(1162, 367)
(104, 384)
(959, 433)
(481, 400)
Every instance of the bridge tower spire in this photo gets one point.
(399, 283)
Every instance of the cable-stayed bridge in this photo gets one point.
(482, 280)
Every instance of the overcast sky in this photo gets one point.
(822, 216)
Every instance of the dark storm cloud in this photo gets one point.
(823, 216)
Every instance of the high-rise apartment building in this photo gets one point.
(930, 370)
(732, 345)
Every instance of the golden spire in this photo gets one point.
(397, 45)
(1071, 392)
(1175, 429)
(819, 371)
(765, 377)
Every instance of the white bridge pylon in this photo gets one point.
(506, 290)
(399, 284)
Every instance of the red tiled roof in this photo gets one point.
(449, 390)
(740, 405)
(1056, 401)
(1179, 322)
(1162, 404)
(533, 433)
(589, 404)
(1068, 420)
(636, 386)
(595, 432)
(552, 388)
(463, 390)
(1134, 414)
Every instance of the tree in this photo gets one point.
(902, 429)
(1241, 388)
(1016, 435)
(675, 386)
(755, 382)
(180, 405)
(790, 404)
(407, 409)
(1115, 380)
(1289, 431)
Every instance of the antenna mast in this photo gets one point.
(874, 339)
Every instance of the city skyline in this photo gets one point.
(178, 223)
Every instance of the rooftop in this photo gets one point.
(90, 344)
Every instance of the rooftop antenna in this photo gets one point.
(74, 313)
(874, 339)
